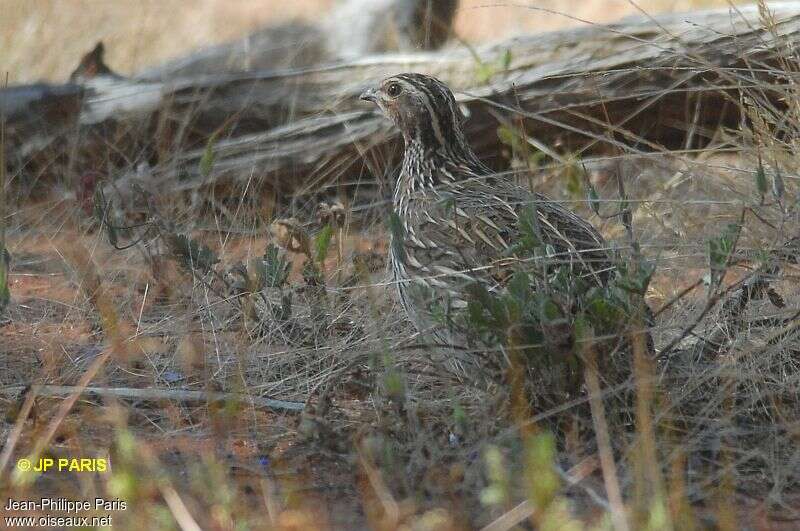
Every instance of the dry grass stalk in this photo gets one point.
(604, 446)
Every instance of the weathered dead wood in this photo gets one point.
(290, 45)
(34, 113)
(636, 85)
(152, 394)
(354, 28)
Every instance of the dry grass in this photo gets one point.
(369, 387)
(390, 436)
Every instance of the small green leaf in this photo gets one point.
(322, 243)
(548, 309)
(394, 382)
(492, 495)
(276, 268)
(584, 331)
(519, 287)
(536, 159)
(506, 59)
(439, 313)
(720, 249)
(506, 136)
(529, 231)
(460, 417)
(542, 479)
(636, 281)
(192, 254)
(517, 141)
(208, 158)
(484, 73)
(395, 386)
(497, 493)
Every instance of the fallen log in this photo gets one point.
(33, 113)
(354, 28)
(637, 85)
(290, 45)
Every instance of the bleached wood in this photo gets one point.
(646, 80)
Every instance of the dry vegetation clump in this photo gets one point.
(246, 365)
(304, 316)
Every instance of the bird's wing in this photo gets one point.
(473, 228)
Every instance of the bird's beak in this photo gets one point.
(370, 95)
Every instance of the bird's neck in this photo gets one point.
(420, 175)
(426, 169)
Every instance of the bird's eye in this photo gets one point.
(394, 90)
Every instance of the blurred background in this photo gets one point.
(43, 39)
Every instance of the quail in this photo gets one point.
(458, 221)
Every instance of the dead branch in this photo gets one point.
(153, 394)
(295, 130)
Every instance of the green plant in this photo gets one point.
(484, 72)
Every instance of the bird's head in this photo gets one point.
(422, 107)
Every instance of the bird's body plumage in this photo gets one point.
(459, 222)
